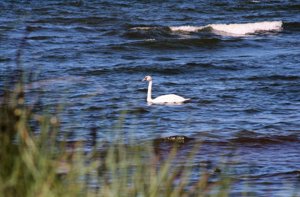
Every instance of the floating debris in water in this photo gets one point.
(178, 139)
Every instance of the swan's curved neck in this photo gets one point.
(149, 99)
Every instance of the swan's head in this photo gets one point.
(147, 78)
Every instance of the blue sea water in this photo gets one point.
(243, 78)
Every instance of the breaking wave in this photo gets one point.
(238, 29)
(234, 29)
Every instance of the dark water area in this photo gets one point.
(243, 79)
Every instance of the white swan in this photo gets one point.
(164, 99)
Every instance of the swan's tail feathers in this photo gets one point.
(186, 100)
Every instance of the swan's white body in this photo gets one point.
(164, 99)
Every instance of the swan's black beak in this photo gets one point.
(144, 79)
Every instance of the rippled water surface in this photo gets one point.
(243, 79)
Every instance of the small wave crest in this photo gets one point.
(292, 26)
(263, 140)
(253, 141)
(153, 33)
(241, 29)
(169, 69)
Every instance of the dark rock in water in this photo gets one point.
(217, 170)
(176, 139)
(163, 146)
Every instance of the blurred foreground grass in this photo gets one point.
(35, 162)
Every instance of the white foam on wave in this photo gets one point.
(143, 28)
(247, 28)
(234, 29)
(187, 28)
